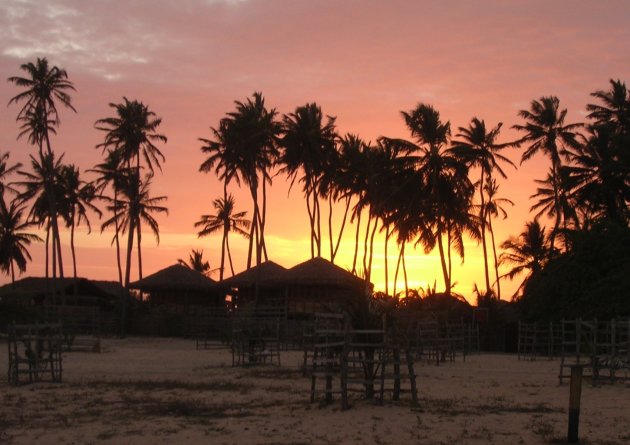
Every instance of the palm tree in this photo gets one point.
(226, 220)
(600, 177)
(14, 241)
(44, 86)
(36, 187)
(545, 131)
(252, 150)
(5, 171)
(448, 189)
(134, 208)
(478, 148)
(308, 143)
(528, 253)
(197, 262)
(614, 108)
(494, 209)
(110, 174)
(77, 200)
(133, 133)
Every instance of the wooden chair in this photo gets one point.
(35, 353)
(325, 352)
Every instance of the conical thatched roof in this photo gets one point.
(176, 278)
(321, 272)
(269, 273)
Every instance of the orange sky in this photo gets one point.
(362, 61)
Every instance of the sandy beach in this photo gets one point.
(149, 390)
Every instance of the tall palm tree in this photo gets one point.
(600, 177)
(5, 171)
(36, 187)
(133, 133)
(448, 189)
(197, 262)
(545, 131)
(136, 207)
(478, 147)
(14, 241)
(252, 149)
(226, 220)
(111, 174)
(77, 200)
(614, 108)
(494, 209)
(43, 86)
(528, 253)
(308, 142)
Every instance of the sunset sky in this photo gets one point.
(362, 61)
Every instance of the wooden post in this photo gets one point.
(574, 402)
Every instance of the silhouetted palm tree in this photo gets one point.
(252, 149)
(494, 209)
(5, 171)
(528, 253)
(226, 220)
(111, 173)
(36, 187)
(448, 189)
(14, 241)
(134, 208)
(600, 177)
(478, 147)
(77, 200)
(197, 262)
(545, 131)
(133, 133)
(308, 143)
(44, 86)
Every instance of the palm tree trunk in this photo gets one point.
(117, 238)
(264, 219)
(496, 261)
(341, 230)
(124, 298)
(447, 279)
(365, 245)
(227, 244)
(311, 218)
(369, 273)
(404, 264)
(319, 222)
(139, 229)
(47, 245)
(330, 228)
(397, 270)
(12, 271)
(482, 217)
(386, 261)
(72, 250)
(356, 244)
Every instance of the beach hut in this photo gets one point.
(271, 286)
(180, 286)
(38, 291)
(317, 285)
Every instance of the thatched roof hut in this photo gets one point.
(268, 274)
(181, 286)
(312, 286)
(320, 272)
(79, 291)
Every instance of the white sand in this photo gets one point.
(148, 391)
